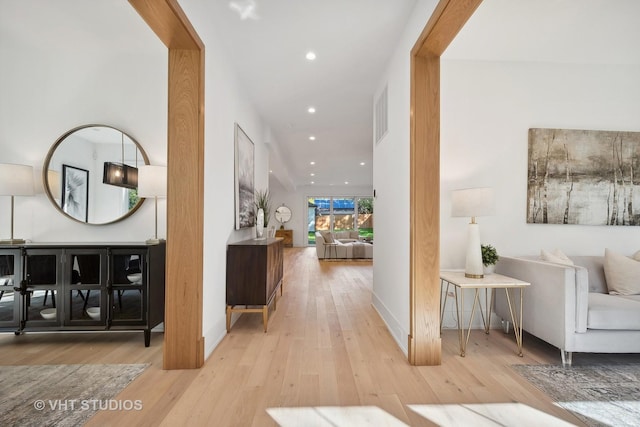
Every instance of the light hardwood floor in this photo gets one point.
(326, 346)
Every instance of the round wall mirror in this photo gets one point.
(90, 174)
(283, 215)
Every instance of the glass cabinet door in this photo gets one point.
(43, 277)
(128, 278)
(10, 267)
(84, 276)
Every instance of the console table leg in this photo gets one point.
(147, 337)
(265, 316)
(228, 318)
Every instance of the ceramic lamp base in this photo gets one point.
(474, 268)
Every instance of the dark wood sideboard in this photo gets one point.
(287, 235)
(254, 274)
(82, 287)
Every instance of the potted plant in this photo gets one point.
(263, 201)
(489, 258)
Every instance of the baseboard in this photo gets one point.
(214, 336)
(394, 327)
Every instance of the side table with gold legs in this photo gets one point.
(490, 282)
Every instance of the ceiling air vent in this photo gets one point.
(381, 116)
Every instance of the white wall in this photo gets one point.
(391, 183)
(225, 104)
(297, 201)
(49, 84)
(487, 109)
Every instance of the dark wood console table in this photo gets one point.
(254, 274)
(82, 287)
(287, 235)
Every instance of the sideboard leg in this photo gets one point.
(265, 316)
(147, 337)
(228, 318)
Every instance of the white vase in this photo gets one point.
(260, 224)
(488, 269)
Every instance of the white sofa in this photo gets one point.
(570, 307)
(347, 245)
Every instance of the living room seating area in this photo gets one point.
(342, 245)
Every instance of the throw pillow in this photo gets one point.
(354, 235)
(557, 257)
(636, 256)
(622, 274)
(327, 236)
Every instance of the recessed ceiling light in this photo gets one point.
(270, 171)
(312, 138)
(312, 163)
(346, 182)
(362, 163)
(312, 174)
(310, 56)
(311, 110)
(313, 182)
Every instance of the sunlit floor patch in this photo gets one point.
(334, 416)
(614, 413)
(477, 415)
(487, 414)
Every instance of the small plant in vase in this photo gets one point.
(489, 258)
(262, 202)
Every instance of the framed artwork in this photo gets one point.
(75, 192)
(587, 177)
(244, 179)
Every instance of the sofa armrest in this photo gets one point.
(549, 310)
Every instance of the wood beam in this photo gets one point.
(167, 19)
(183, 340)
(424, 344)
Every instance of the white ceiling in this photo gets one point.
(353, 40)
(562, 31)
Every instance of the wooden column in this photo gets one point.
(446, 21)
(183, 340)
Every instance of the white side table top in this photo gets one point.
(493, 280)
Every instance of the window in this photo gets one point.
(339, 214)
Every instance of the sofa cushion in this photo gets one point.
(557, 257)
(622, 273)
(594, 266)
(613, 312)
(327, 236)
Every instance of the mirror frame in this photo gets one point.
(288, 209)
(47, 161)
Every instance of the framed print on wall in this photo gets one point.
(587, 177)
(244, 179)
(75, 193)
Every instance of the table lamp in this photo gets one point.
(473, 202)
(152, 182)
(15, 180)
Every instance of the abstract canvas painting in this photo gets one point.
(244, 185)
(587, 177)
(75, 194)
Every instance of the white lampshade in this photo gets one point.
(16, 180)
(472, 202)
(152, 181)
